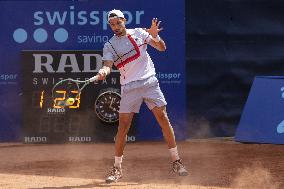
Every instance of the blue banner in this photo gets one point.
(262, 119)
(62, 26)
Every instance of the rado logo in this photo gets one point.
(35, 139)
(80, 139)
(128, 139)
(55, 110)
(66, 61)
(75, 63)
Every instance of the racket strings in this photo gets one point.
(69, 89)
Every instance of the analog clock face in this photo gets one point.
(107, 106)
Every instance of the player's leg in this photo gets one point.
(130, 103)
(164, 122)
(168, 133)
(155, 100)
(125, 120)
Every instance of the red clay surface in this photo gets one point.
(211, 163)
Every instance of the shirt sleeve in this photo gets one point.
(145, 35)
(107, 54)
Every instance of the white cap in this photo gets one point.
(118, 14)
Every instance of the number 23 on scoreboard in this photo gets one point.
(61, 97)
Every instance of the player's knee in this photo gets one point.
(123, 127)
(122, 131)
(164, 116)
(124, 122)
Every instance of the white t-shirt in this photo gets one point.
(129, 54)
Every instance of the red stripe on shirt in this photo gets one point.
(130, 59)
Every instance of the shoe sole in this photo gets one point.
(183, 174)
(112, 181)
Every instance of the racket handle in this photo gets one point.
(95, 78)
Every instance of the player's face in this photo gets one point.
(118, 26)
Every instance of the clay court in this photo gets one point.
(214, 163)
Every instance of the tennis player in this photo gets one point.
(127, 50)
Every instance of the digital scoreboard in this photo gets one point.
(94, 115)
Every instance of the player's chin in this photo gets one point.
(118, 32)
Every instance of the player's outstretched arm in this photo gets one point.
(157, 42)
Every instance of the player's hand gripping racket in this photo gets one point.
(67, 91)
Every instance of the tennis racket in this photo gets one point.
(67, 92)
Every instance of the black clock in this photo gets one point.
(107, 105)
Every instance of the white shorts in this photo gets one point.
(135, 92)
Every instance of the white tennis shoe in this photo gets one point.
(179, 168)
(114, 175)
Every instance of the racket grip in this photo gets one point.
(95, 78)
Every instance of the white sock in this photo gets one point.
(174, 154)
(117, 161)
